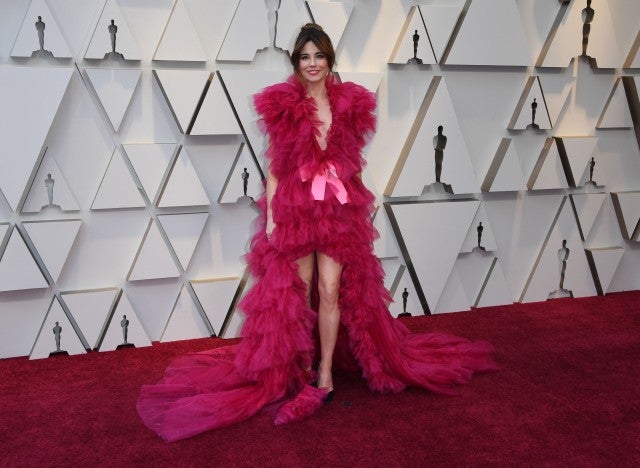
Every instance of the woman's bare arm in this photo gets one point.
(272, 185)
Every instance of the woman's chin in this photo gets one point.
(315, 78)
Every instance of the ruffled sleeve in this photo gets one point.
(278, 108)
(362, 109)
(268, 105)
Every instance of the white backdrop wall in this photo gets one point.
(151, 223)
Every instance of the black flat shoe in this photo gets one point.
(328, 398)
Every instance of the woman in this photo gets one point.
(312, 250)
(312, 59)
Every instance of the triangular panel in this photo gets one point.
(53, 241)
(40, 34)
(151, 163)
(587, 206)
(124, 328)
(112, 37)
(504, 173)
(545, 276)
(115, 88)
(531, 110)
(30, 98)
(602, 44)
(56, 327)
(606, 262)
(153, 259)
(496, 289)
(548, 172)
(117, 188)
(216, 116)
(405, 288)
(529, 145)
(413, 41)
(183, 231)
(579, 151)
(185, 321)
(480, 234)
(616, 111)
(492, 33)
(243, 179)
(240, 46)
(416, 165)
(454, 296)
(216, 297)
(587, 178)
(183, 187)
(234, 326)
(520, 223)
(153, 302)
(49, 190)
(431, 236)
(473, 270)
(18, 269)
(180, 41)
(440, 21)
(556, 89)
(90, 310)
(182, 89)
(211, 21)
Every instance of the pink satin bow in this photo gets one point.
(326, 174)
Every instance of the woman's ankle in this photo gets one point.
(325, 377)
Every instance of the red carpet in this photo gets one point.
(568, 394)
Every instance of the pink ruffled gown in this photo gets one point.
(208, 390)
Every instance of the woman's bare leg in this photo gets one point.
(329, 272)
(305, 271)
(306, 266)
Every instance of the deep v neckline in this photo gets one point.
(326, 138)
(318, 123)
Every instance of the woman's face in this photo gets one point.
(313, 65)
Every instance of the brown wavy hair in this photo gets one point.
(314, 33)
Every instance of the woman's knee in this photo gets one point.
(328, 290)
(329, 273)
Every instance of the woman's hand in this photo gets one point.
(270, 224)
